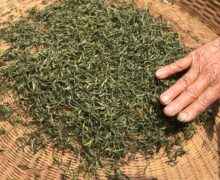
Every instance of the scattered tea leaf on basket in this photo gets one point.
(23, 167)
(5, 112)
(2, 149)
(2, 131)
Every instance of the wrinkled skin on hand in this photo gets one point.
(198, 88)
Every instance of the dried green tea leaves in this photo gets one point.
(5, 112)
(85, 72)
(3, 131)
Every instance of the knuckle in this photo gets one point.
(185, 81)
(213, 74)
(195, 56)
(178, 65)
(203, 100)
(215, 91)
(192, 92)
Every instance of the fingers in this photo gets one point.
(175, 67)
(198, 88)
(205, 51)
(190, 94)
(170, 94)
(201, 104)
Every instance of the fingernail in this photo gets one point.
(169, 110)
(183, 116)
(165, 98)
(159, 73)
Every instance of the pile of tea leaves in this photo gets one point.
(84, 70)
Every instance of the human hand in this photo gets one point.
(198, 88)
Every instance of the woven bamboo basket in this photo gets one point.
(208, 11)
(202, 160)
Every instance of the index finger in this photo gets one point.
(205, 51)
(176, 66)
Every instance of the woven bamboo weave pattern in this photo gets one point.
(202, 161)
(208, 11)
